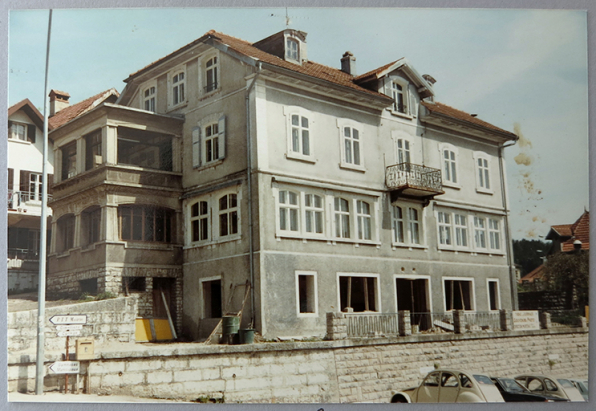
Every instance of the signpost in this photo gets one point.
(67, 326)
(69, 319)
(66, 367)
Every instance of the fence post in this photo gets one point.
(337, 327)
(506, 320)
(545, 320)
(583, 322)
(403, 323)
(459, 321)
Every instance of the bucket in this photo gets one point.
(247, 336)
(230, 324)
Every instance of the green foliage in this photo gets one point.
(105, 296)
(528, 253)
(86, 297)
(569, 271)
(206, 400)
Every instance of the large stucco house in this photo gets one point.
(228, 163)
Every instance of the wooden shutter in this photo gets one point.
(222, 137)
(196, 146)
(24, 183)
(9, 129)
(31, 133)
(50, 183)
(10, 178)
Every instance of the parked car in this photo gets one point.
(513, 391)
(450, 386)
(582, 386)
(546, 385)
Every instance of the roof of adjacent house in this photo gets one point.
(536, 274)
(27, 106)
(68, 113)
(569, 233)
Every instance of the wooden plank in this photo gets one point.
(165, 303)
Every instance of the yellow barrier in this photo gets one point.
(152, 329)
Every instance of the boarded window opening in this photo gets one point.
(306, 293)
(88, 286)
(358, 293)
(412, 296)
(458, 295)
(493, 295)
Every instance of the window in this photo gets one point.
(211, 75)
(93, 150)
(364, 220)
(212, 298)
(133, 284)
(199, 221)
(209, 141)
(142, 148)
(300, 135)
(342, 217)
(292, 50)
(306, 292)
(449, 380)
(92, 225)
(403, 151)
(461, 230)
(88, 286)
(494, 302)
(458, 294)
(480, 232)
(149, 98)
(69, 160)
(406, 225)
(35, 186)
(177, 84)
(494, 234)
(449, 158)
(444, 228)
(358, 292)
(432, 380)
(65, 226)
(397, 92)
(228, 215)
(351, 139)
(299, 131)
(145, 223)
(313, 213)
(21, 131)
(483, 174)
(288, 211)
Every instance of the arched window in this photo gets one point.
(288, 211)
(228, 215)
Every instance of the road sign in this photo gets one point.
(69, 333)
(69, 319)
(66, 367)
(69, 327)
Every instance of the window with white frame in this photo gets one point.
(306, 292)
(292, 50)
(199, 221)
(444, 223)
(358, 292)
(19, 131)
(494, 234)
(363, 217)
(482, 161)
(449, 159)
(149, 95)
(461, 230)
(341, 217)
(480, 232)
(406, 225)
(289, 211)
(458, 294)
(228, 215)
(494, 300)
(300, 135)
(403, 151)
(399, 97)
(313, 213)
(351, 140)
(211, 79)
(209, 141)
(35, 186)
(177, 87)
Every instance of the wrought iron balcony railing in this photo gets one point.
(419, 180)
(20, 198)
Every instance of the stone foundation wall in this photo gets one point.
(366, 370)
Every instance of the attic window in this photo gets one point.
(292, 50)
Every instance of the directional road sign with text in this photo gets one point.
(69, 319)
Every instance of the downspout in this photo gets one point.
(510, 261)
(251, 250)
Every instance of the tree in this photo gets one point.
(570, 272)
(528, 254)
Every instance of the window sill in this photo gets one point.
(209, 94)
(307, 315)
(177, 106)
(352, 167)
(400, 114)
(455, 249)
(16, 140)
(357, 243)
(299, 157)
(209, 243)
(142, 245)
(451, 185)
(395, 246)
(212, 164)
(484, 191)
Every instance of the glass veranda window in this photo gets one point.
(288, 211)
(363, 217)
(342, 218)
(313, 213)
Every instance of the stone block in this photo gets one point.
(233, 372)
(175, 363)
(143, 365)
(159, 377)
(187, 375)
(317, 379)
(107, 367)
(203, 387)
(211, 373)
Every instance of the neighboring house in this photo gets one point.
(25, 163)
(227, 162)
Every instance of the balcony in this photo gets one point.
(413, 180)
(19, 199)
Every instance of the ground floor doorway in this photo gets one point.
(412, 295)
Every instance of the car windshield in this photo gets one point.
(483, 379)
(509, 384)
(565, 383)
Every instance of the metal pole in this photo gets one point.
(41, 299)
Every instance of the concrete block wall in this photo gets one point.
(107, 320)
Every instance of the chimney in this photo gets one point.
(58, 101)
(348, 63)
(430, 79)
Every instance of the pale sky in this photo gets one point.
(521, 70)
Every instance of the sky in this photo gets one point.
(525, 71)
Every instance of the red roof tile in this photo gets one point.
(536, 274)
(564, 230)
(374, 72)
(580, 231)
(32, 111)
(68, 113)
(446, 110)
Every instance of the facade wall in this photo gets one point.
(324, 372)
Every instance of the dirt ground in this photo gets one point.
(28, 301)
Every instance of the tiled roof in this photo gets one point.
(68, 113)
(580, 231)
(32, 111)
(536, 274)
(309, 68)
(374, 72)
(446, 110)
(564, 230)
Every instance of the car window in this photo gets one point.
(564, 383)
(483, 379)
(449, 380)
(432, 380)
(535, 385)
(511, 385)
(550, 385)
(465, 381)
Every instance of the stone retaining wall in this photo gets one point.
(107, 321)
(366, 370)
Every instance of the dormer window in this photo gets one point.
(292, 48)
(211, 74)
(398, 98)
(149, 98)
